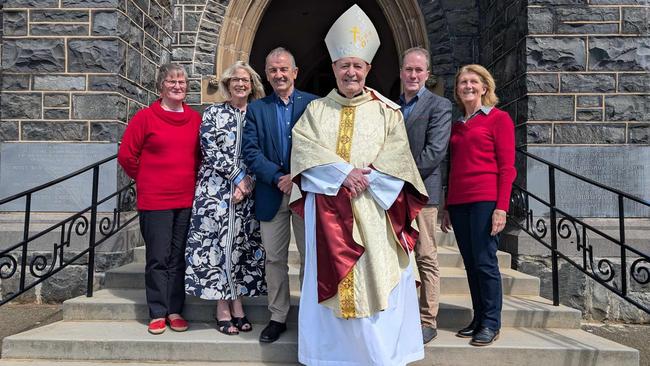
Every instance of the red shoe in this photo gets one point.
(178, 324)
(157, 326)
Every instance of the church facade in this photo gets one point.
(573, 74)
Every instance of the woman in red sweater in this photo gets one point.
(482, 156)
(160, 151)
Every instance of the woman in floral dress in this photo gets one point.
(224, 254)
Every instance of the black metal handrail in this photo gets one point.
(564, 226)
(14, 259)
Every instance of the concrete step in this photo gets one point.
(453, 280)
(448, 255)
(47, 362)
(129, 341)
(455, 310)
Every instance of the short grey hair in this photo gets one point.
(168, 70)
(257, 89)
(280, 51)
(422, 51)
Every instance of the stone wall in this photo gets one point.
(77, 70)
(588, 66)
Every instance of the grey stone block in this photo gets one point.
(14, 23)
(191, 21)
(134, 13)
(136, 36)
(8, 131)
(96, 55)
(556, 54)
(540, 21)
(619, 53)
(90, 3)
(33, 55)
(59, 15)
(148, 77)
(106, 131)
(151, 28)
(133, 108)
(110, 23)
(634, 83)
(557, 2)
(618, 2)
(587, 83)
(638, 133)
(550, 108)
(99, 106)
(31, 3)
(152, 44)
(182, 54)
(538, 133)
(627, 108)
(587, 28)
(142, 4)
(56, 100)
(56, 113)
(194, 86)
(20, 105)
(589, 114)
(134, 65)
(66, 284)
(15, 82)
(218, 19)
(585, 101)
(54, 131)
(59, 82)
(115, 83)
(588, 134)
(586, 14)
(636, 21)
(59, 29)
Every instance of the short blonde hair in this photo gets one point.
(257, 90)
(489, 99)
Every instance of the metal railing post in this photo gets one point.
(23, 259)
(554, 266)
(621, 229)
(93, 231)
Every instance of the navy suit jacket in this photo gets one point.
(261, 150)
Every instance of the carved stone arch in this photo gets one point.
(243, 17)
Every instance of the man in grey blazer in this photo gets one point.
(428, 125)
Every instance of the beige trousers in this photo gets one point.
(276, 235)
(426, 257)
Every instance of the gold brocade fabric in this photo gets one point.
(343, 147)
(378, 137)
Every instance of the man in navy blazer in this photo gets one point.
(428, 125)
(266, 150)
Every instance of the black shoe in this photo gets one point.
(468, 331)
(272, 332)
(428, 334)
(484, 336)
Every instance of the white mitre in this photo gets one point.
(352, 35)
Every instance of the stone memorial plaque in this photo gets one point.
(27, 165)
(626, 168)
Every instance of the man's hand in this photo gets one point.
(285, 184)
(238, 195)
(357, 181)
(498, 221)
(445, 225)
(246, 185)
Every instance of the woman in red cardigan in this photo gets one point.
(482, 156)
(160, 151)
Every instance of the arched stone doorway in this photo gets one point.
(251, 28)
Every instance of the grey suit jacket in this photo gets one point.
(428, 128)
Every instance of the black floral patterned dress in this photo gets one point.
(224, 254)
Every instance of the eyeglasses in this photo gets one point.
(180, 83)
(244, 81)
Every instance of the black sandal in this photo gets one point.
(243, 324)
(224, 325)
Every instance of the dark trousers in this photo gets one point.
(472, 224)
(165, 233)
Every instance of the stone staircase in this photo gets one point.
(110, 328)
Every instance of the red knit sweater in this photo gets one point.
(482, 159)
(160, 150)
